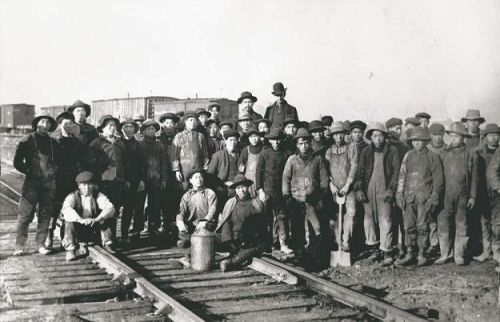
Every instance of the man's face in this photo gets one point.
(424, 122)
(109, 129)
(280, 98)
(43, 125)
(65, 124)
(378, 138)
(303, 145)
(254, 139)
(241, 191)
(357, 135)
(215, 112)
(231, 143)
(317, 136)
(86, 188)
(128, 130)
(263, 128)
(290, 129)
(246, 105)
(150, 131)
(197, 180)
(473, 126)
(274, 144)
(437, 139)
(168, 124)
(80, 114)
(191, 123)
(456, 139)
(339, 138)
(203, 118)
(492, 139)
(418, 145)
(213, 129)
(396, 128)
(244, 124)
(224, 128)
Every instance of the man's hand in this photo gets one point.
(262, 195)
(345, 189)
(87, 221)
(400, 200)
(181, 225)
(470, 203)
(178, 176)
(141, 186)
(333, 188)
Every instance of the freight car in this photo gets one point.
(228, 111)
(16, 118)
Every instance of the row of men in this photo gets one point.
(297, 172)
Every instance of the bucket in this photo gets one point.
(202, 250)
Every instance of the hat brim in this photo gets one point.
(207, 113)
(246, 182)
(296, 123)
(117, 121)
(273, 137)
(174, 118)
(370, 132)
(415, 138)
(317, 129)
(156, 125)
(86, 107)
(122, 124)
(253, 98)
(278, 93)
(245, 119)
(333, 131)
(35, 121)
(309, 137)
(480, 119)
(465, 134)
(497, 130)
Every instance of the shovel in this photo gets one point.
(339, 257)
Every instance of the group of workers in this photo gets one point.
(265, 183)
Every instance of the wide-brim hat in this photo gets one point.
(246, 95)
(491, 128)
(209, 122)
(214, 105)
(244, 116)
(104, 119)
(239, 180)
(423, 115)
(257, 122)
(85, 177)
(139, 117)
(302, 133)
(65, 116)
(79, 103)
(129, 121)
(202, 111)
(170, 116)
(316, 126)
(149, 123)
(358, 125)
(228, 123)
(194, 171)
(338, 127)
(471, 115)
(412, 120)
(275, 134)
(278, 89)
(290, 121)
(458, 128)
(53, 123)
(229, 133)
(377, 126)
(253, 130)
(419, 134)
(189, 114)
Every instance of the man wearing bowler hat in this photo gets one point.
(36, 156)
(81, 111)
(473, 119)
(246, 102)
(280, 109)
(461, 184)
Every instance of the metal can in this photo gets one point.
(202, 250)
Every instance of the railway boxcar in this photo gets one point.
(229, 108)
(15, 115)
(54, 111)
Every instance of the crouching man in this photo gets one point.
(86, 212)
(197, 209)
(242, 225)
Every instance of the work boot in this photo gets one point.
(225, 265)
(44, 251)
(346, 248)
(441, 260)
(285, 249)
(70, 255)
(407, 260)
(482, 258)
(388, 259)
(460, 261)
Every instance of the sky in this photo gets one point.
(353, 59)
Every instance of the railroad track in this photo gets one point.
(154, 283)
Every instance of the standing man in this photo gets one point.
(214, 109)
(357, 135)
(246, 102)
(461, 183)
(280, 109)
(473, 119)
(290, 127)
(423, 118)
(36, 156)
(493, 174)
(376, 184)
(81, 111)
(485, 152)
(319, 143)
(420, 189)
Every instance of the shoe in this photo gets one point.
(44, 251)
(407, 260)
(48, 243)
(19, 252)
(346, 248)
(482, 258)
(388, 259)
(70, 255)
(422, 260)
(183, 243)
(376, 255)
(441, 260)
(285, 249)
(225, 265)
(459, 261)
(83, 250)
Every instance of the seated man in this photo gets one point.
(85, 212)
(242, 225)
(197, 209)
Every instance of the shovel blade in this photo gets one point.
(340, 258)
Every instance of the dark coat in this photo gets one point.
(136, 169)
(88, 133)
(270, 170)
(104, 155)
(493, 172)
(365, 168)
(277, 114)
